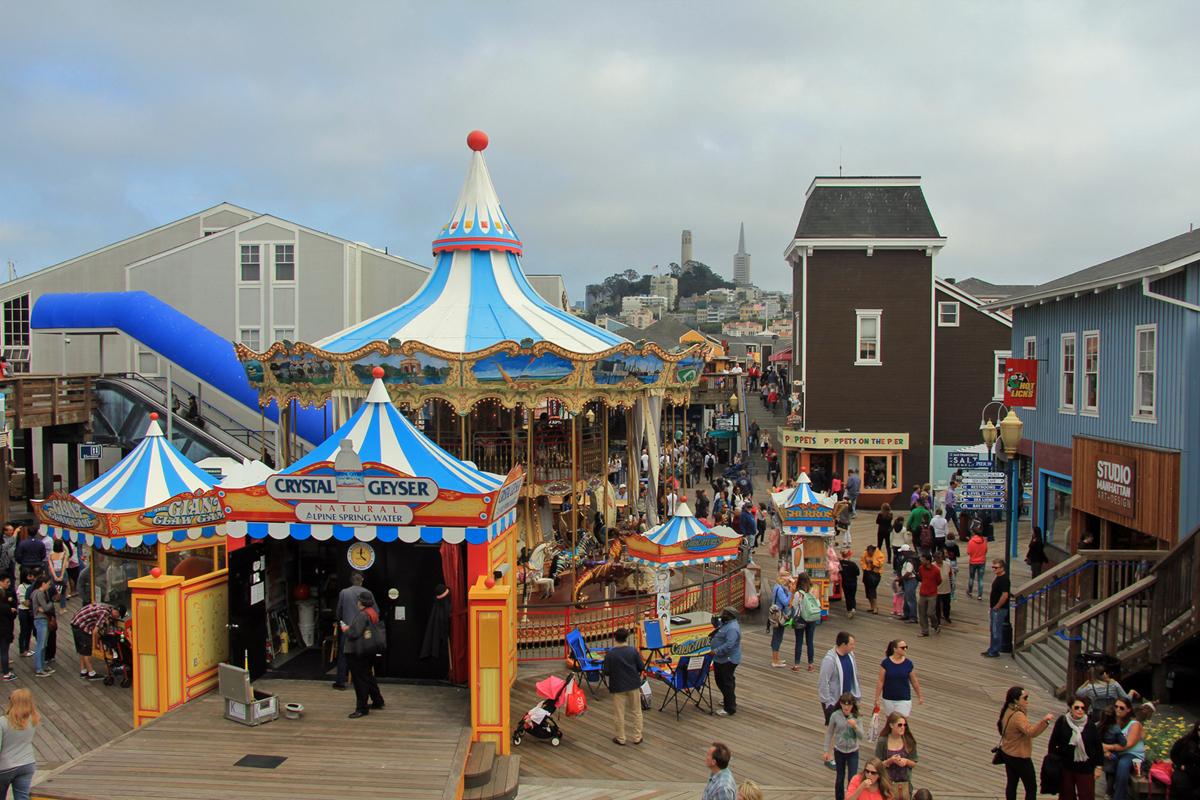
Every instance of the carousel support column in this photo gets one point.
(574, 495)
(633, 461)
(157, 645)
(462, 419)
(491, 671)
(170, 405)
(605, 487)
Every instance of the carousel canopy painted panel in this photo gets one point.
(476, 329)
(803, 511)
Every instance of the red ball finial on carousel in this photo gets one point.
(377, 372)
(153, 415)
(477, 140)
(489, 583)
(156, 573)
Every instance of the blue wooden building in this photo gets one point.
(1112, 449)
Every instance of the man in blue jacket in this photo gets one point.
(726, 644)
(748, 528)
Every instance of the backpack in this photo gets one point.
(775, 615)
(6, 554)
(925, 536)
(810, 607)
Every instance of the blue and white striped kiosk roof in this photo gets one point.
(477, 295)
(149, 476)
(383, 436)
(800, 497)
(682, 527)
(153, 473)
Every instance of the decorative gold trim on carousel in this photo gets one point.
(282, 373)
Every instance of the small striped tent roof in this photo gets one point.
(801, 495)
(152, 474)
(382, 435)
(684, 526)
(477, 295)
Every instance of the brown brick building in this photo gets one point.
(894, 365)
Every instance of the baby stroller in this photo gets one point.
(539, 722)
(118, 657)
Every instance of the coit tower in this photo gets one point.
(685, 252)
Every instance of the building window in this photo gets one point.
(251, 337)
(16, 333)
(1056, 510)
(868, 336)
(1146, 342)
(948, 315)
(1031, 347)
(1091, 373)
(285, 262)
(250, 264)
(285, 333)
(1066, 377)
(999, 362)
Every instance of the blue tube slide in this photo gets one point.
(175, 336)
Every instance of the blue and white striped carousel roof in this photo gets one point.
(800, 496)
(476, 295)
(152, 474)
(382, 435)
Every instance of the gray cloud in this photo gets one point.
(1049, 136)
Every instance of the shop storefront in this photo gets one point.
(1121, 496)
(877, 457)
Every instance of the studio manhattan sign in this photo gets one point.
(1115, 480)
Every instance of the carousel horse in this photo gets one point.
(534, 575)
(614, 568)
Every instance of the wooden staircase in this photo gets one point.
(488, 776)
(1136, 606)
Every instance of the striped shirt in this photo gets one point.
(92, 616)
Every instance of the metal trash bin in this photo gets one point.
(243, 703)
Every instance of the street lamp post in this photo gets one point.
(1009, 430)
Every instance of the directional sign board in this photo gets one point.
(983, 490)
(90, 452)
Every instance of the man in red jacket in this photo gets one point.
(931, 578)
(977, 557)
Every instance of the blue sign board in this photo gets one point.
(90, 452)
(962, 460)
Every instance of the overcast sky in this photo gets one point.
(1049, 136)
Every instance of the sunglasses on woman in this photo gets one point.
(871, 771)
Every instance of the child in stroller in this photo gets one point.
(118, 656)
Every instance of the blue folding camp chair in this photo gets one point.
(688, 680)
(587, 664)
(656, 642)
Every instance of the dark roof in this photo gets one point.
(981, 288)
(1114, 271)
(866, 212)
(665, 333)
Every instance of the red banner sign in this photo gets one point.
(1020, 382)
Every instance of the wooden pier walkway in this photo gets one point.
(777, 736)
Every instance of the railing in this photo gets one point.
(42, 401)
(1038, 607)
(1143, 623)
(542, 628)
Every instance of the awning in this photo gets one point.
(722, 434)
(783, 355)
(382, 533)
(133, 540)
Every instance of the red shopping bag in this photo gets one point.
(576, 701)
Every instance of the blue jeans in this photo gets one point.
(847, 765)
(910, 598)
(801, 628)
(999, 617)
(1123, 770)
(19, 778)
(853, 498)
(976, 571)
(776, 637)
(40, 629)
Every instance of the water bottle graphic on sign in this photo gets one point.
(349, 470)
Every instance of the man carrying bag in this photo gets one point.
(363, 639)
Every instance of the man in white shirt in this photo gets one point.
(940, 526)
(645, 461)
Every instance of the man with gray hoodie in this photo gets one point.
(839, 674)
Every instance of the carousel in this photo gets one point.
(497, 377)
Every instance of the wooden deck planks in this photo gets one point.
(408, 750)
(778, 734)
